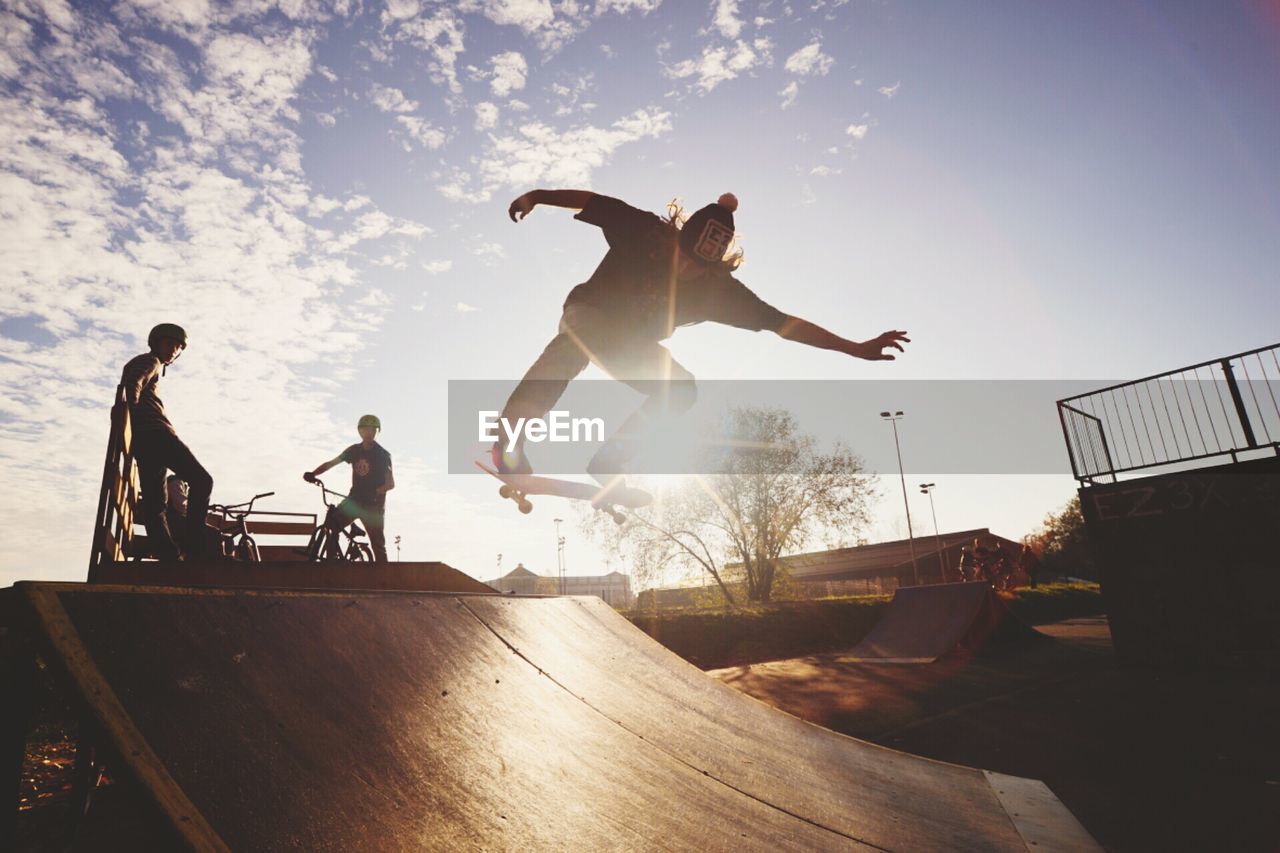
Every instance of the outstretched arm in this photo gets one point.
(321, 468)
(804, 332)
(572, 199)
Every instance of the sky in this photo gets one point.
(318, 193)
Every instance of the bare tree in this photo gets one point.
(773, 492)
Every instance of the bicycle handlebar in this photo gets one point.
(231, 510)
(325, 490)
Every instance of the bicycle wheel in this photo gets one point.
(315, 547)
(247, 550)
(359, 552)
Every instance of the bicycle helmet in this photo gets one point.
(369, 421)
(167, 330)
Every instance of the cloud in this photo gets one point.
(391, 100)
(464, 308)
(439, 35)
(624, 7)
(890, 91)
(437, 267)
(550, 27)
(422, 131)
(789, 93)
(486, 115)
(716, 65)
(489, 250)
(537, 153)
(809, 61)
(726, 20)
(857, 131)
(509, 73)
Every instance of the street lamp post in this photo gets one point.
(892, 418)
(927, 489)
(559, 553)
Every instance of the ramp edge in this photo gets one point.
(1040, 818)
(101, 701)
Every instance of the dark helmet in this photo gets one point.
(707, 234)
(370, 421)
(167, 330)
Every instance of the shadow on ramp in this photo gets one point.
(925, 623)
(263, 720)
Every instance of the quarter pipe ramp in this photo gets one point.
(925, 623)
(340, 720)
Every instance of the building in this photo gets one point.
(876, 569)
(613, 588)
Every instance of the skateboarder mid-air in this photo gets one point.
(655, 277)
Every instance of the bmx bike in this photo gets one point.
(235, 542)
(327, 540)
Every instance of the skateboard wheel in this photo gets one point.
(525, 507)
(505, 491)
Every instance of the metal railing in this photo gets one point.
(1227, 407)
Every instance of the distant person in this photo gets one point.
(371, 479)
(655, 276)
(157, 448)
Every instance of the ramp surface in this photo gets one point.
(263, 720)
(924, 623)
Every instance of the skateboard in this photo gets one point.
(520, 487)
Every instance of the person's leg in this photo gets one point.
(183, 462)
(543, 384)
(374, 523)
(669, 389)
(337, 520)
(151, 474)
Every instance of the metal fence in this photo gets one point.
(1219, 409)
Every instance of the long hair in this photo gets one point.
(675, 220)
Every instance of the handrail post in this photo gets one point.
(1239, 403)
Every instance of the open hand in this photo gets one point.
(874, 349)
(520, 208)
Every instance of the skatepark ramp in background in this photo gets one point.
(357, 720)
(925, 623)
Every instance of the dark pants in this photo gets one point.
(157, 453)
(373, 519)
(588, 334)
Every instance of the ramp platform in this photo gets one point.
(327, 720)
(925, 623)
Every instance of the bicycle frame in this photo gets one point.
(322, 548)
(237, 544)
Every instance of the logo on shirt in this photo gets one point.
(362, 467)
(714, 241)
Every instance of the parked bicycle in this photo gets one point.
(236, 543)
(327, 539)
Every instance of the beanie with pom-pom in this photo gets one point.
(707, 234)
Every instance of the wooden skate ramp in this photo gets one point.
(324, 720)
(925, 623)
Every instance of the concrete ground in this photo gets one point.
(1146, 758)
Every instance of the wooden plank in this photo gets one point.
(1039, 816)
(282, 553)
(293, 574)
(110, 715)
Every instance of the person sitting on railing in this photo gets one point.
(157, 448)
